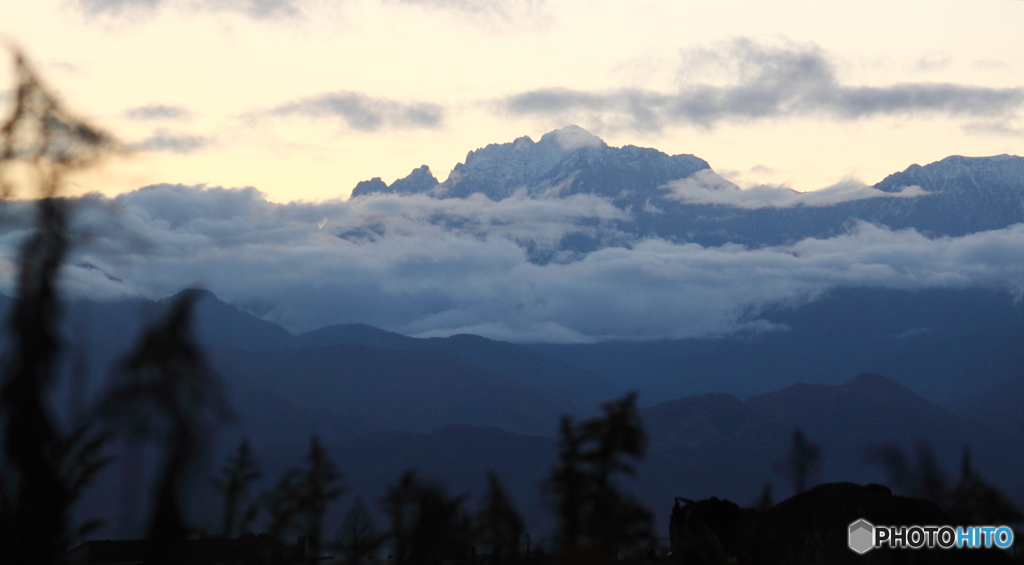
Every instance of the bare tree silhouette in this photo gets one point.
(359, 537)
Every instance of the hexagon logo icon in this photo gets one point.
(861, 536)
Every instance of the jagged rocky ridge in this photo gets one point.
(954, 196)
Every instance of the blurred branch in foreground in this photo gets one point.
(44, 470)
(164, 392)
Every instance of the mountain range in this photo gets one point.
(455, 407)
(680, 199)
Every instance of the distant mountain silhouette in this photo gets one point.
(496, 375)
(332, 383)
(942, 343)
(453, 418)
(680, 426)
(573, 384)
(388, 389)
(722, 446)
(1000, 406)
(872, 409)
(700, 446)
(219, 323)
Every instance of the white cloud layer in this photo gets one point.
(428, 267)
(707, 187)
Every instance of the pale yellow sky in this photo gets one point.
(225, 70)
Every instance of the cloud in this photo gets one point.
(706, 187)
(510, 11)
(363, 112)
(119, 7)
(425, 266)
(157, 112)
(997, 127)
(762, 169)
(991, 64)
(933, 62)
(523, 14)
(256, 9)
(164, 140)
(764, 82)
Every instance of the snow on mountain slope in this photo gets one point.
(680, 198)
(564, 162)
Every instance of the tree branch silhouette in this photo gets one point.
(44, 470)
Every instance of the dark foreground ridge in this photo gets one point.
(809, 528)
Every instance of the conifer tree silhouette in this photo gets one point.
(233, 484)
(301, 497)
(319, 484)
(427, 527)
(282, 505)
(569, 483)
(615, 519)
(596, 517)
(499, 526)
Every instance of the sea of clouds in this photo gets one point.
(431, 267)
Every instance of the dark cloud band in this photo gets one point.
(166, 141)
(768, 83)
(256, 9)
(504, 8)
(157, 112)
(365, 113)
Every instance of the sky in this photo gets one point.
(302, 99)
